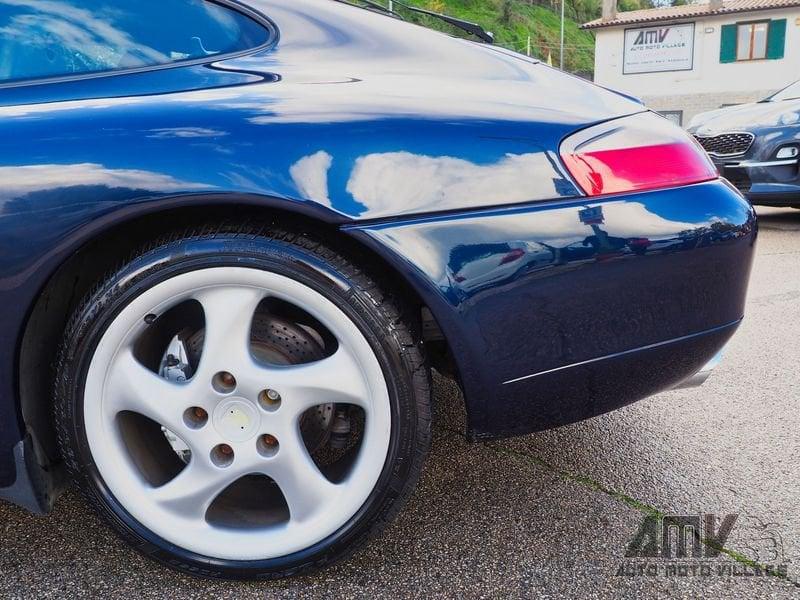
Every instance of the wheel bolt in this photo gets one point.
(267, 445)
(224, 382)
(195, 417)
(270, 400)
(222, 456)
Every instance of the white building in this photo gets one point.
(683, 60)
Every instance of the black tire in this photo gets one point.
(313, 263)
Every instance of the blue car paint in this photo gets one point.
(554, 305)
(422, 147)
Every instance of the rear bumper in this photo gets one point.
(554, 316)
(608, 383)
(699, 378)
(775, 196)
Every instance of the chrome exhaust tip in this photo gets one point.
(703, 374)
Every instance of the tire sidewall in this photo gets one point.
(163, 263)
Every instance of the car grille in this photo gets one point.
(726, 144)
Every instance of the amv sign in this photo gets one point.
(659, 49)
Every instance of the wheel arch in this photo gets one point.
(100, 249)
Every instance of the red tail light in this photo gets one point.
(642, 152)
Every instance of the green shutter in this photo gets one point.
(727, 50)
(776, 40)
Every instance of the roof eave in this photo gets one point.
(599, 24)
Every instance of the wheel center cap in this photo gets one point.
(236, 420)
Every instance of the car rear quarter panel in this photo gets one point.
(558, 313)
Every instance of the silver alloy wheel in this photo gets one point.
(117, 383)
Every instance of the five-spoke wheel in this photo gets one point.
(245, 411)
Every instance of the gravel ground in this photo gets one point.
(546, 515)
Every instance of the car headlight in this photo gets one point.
(789, 118)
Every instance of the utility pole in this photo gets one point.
(561, 54)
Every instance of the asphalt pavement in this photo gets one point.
(546, 515)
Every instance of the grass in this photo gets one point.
(512, 21)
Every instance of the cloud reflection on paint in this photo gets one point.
(185, 133)
(428, 246)
(310, 175)
(382, 182)
(22, 180)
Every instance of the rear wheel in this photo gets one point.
(242, 404)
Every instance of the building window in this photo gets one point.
(751, 41)
(754, 40)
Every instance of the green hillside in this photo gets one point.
(512, 21)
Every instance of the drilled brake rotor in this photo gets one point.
(278, 341)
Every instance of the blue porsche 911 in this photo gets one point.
(235, 238)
